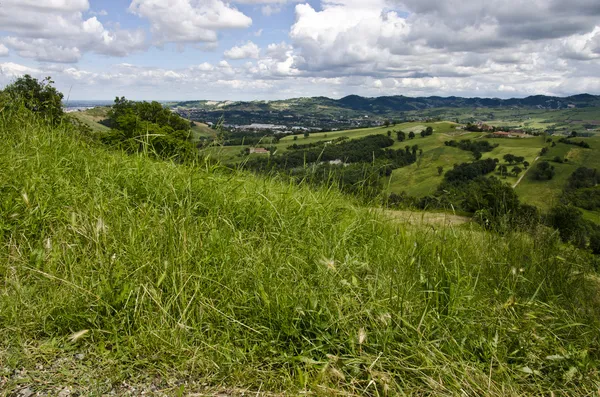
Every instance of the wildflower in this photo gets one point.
(362, 336)
(78, 335)
(329, 263)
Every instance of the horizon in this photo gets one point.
(321, 96)
(244, 50)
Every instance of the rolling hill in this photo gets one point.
(122, 274)
(389, 104)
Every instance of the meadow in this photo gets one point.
(422, 178)
(124, 274)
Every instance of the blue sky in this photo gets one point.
(272, 49)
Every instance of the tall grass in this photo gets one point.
(219, 277)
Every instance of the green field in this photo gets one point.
(422, 178)
(121, 274)
(545, 194)
(92, 118)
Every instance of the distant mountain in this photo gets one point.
(391, 104)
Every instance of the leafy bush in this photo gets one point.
(470, 171)
(38, 96)
(149, 127)
(472, 146)
(543, 171)
(582, 144)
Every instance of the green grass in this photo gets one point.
(92, 118)
(120, 270)
(545, 194)
(201, 130)
(422, 178)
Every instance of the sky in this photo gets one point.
(276, 49)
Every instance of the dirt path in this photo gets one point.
(525, 173)
(427, 218)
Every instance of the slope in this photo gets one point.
(121, 273)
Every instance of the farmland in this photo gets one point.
(423, 177)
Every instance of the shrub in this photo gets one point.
(38, 96)
(543, 171)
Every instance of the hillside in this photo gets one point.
(579, 111)
(386, 104)
(122, 274)
(422, 178)
(93, 118)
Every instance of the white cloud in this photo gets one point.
(43, 50)
(337, 47)
(10, 69)
(248, 50)
(56, 31)
(269, 10)
(101, 13)
(49, 5)
(188, 21)
(3, 50)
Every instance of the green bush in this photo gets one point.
(38, 96)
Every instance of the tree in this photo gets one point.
(569, 222)
(595, 242)
(429, 131)
(387, 123)
(503, 171)
(295, 137)
(525, 164)
(401, 136)
(440, 170)
(423, 134)
(38, 96)
(414, 149)
(509, 158)
(543, 171)
(477, 154)
(389, 133)
(411, 135)
(306, 134)
(516, 170)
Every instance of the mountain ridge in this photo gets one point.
(400, 103)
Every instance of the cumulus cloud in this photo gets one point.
(56, 31)
(269, 10)
(3, 50)
(447, 46)
(334, 47)
(248, 50)
(188, 21)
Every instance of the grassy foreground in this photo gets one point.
(120, 272)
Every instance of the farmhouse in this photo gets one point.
(509, 134)
(258, 150)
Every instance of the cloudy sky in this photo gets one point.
(270, 49)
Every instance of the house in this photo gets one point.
(258, 150)
(509, 134)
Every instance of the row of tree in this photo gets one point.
(356, 166)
